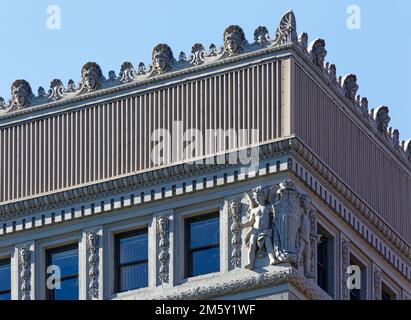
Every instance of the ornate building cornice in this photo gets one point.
(164, 66)
(303, 152)
(235, 48)
(239, 281)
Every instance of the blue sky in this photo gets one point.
(111, 32)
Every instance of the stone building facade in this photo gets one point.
(316, 183)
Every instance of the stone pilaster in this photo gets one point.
(344, 263)
(24, 271)
(91, 265)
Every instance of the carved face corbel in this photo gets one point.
(21, 94)
(233, 40)
(318, 52)
(350, 87)
(162, 58)
(383, 119)
(91, 75)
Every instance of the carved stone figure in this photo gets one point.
(395, 136)
(287, 29)
(332, 72)
(41, 93)
(21, 95)
(234, 39)
(291, 225)
(350, 86)
(24, 261)
(261, 36)
(407, 149)
(162, 58)
(261, 221)
(304, 238)
(318, 52)
(93, 240)
(164, 247)
(382, 119)
(364, 106)
(303, 40)
(91, 76)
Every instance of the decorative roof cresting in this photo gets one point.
(234, 44)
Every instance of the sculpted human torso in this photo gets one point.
(262, 217)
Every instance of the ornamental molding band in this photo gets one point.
(293, 146)
(279, 222)
(345, 262)
(24, 263)
(93, 260)
(240, 280)
(163, 238)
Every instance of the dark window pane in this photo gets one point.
(67, 261)
(6, 296)
(205, 261)
(133, 277)
(134, 248)
(66, 258)
(322, 264)
(355, 294)
(205, 232)
(5, 276)
(68, 291)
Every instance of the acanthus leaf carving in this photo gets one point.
(24, 263)
(163, 238)
(345, 262)
(287, 30)
(261, 36)
(93, 243)
(127, 72)
(234, 210)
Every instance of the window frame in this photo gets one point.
(327, 231)
(50, 294)
(6, 261)
(117, 265)
(188, 267)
